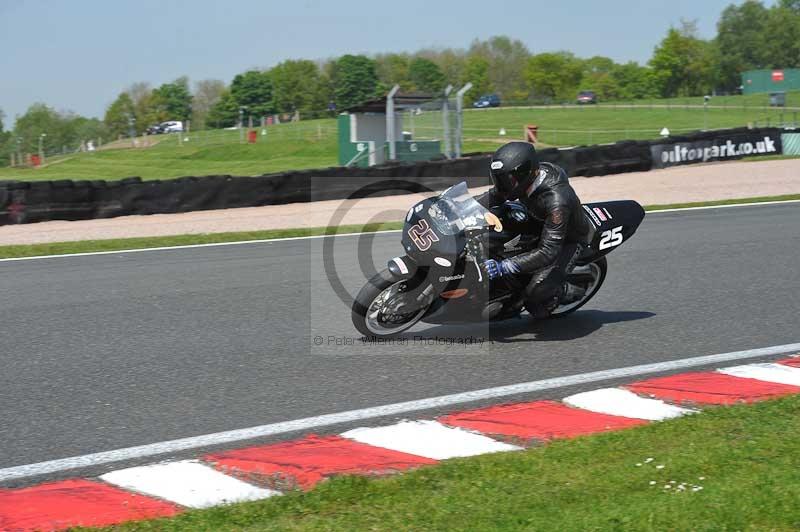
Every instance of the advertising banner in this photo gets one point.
(725, 146)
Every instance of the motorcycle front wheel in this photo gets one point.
(379, 310)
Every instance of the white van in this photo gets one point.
(172, 126)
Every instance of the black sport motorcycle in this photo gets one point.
(447, 237)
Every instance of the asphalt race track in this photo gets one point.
(109, 351)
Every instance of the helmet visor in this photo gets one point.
(512, 184)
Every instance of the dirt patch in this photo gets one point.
(720, 181)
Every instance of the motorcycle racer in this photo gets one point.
(544, 190)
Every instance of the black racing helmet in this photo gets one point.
(513, 169)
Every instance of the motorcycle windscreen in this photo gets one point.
(435, 227)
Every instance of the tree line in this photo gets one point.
(749, 36)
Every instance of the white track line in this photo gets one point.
(779, 373)
(188, 483)
(618, 402)
(729, 206)
(429, 439)
(218, 438)
(190, 246)
(287, 239)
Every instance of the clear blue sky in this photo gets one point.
(78, 55)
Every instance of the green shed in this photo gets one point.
(775, 80)
(369, 132)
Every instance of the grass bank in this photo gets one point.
(313, 143)
(91, 246)
(728, 468)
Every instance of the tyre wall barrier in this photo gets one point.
(37, 201)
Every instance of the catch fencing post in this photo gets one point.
(41, 148)
(390, 137)
(132, 130)
(241, 124)
(446, 119)
(460, 117)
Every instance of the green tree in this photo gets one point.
(5, 142)
(741, 41)
(224, 113)
(82, 129)
(42, 121)
(118, 114)
(451, 63)
(554, 76)
(298, 86)
(599, 64)
(253, 89)
(207, 93)
(392, 69)
(144, 106)
(597, 77)
(682, 63)
(354, 80)
(507, 60)
(425, 75)
(476, 71)
(782, 29)
(634, 81)
(173, 100)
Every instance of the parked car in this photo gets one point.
(488, 100)
(172, 126)
(155, 129)
(585, 97)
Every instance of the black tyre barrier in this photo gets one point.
(37, 201)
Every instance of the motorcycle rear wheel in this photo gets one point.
(598, 270)
(368, 305)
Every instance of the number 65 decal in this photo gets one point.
(422, 235)
(609, 239)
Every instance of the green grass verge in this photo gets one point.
(744, 457)
(313, 143)
(294, 146)
(88, 246)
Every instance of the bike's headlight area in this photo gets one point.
(443, 224)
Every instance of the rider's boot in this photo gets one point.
(571, 294)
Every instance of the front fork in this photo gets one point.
(476, 253)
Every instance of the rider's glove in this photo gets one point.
(516, 212)
(495, 269)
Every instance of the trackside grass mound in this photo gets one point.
(92, 246)
(727, 468)
(313, 143)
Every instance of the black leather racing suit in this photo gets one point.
(566, 231)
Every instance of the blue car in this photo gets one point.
(488, 100)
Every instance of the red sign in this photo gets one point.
(777, 75)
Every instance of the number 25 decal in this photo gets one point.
(422, 235)
(609, 239)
